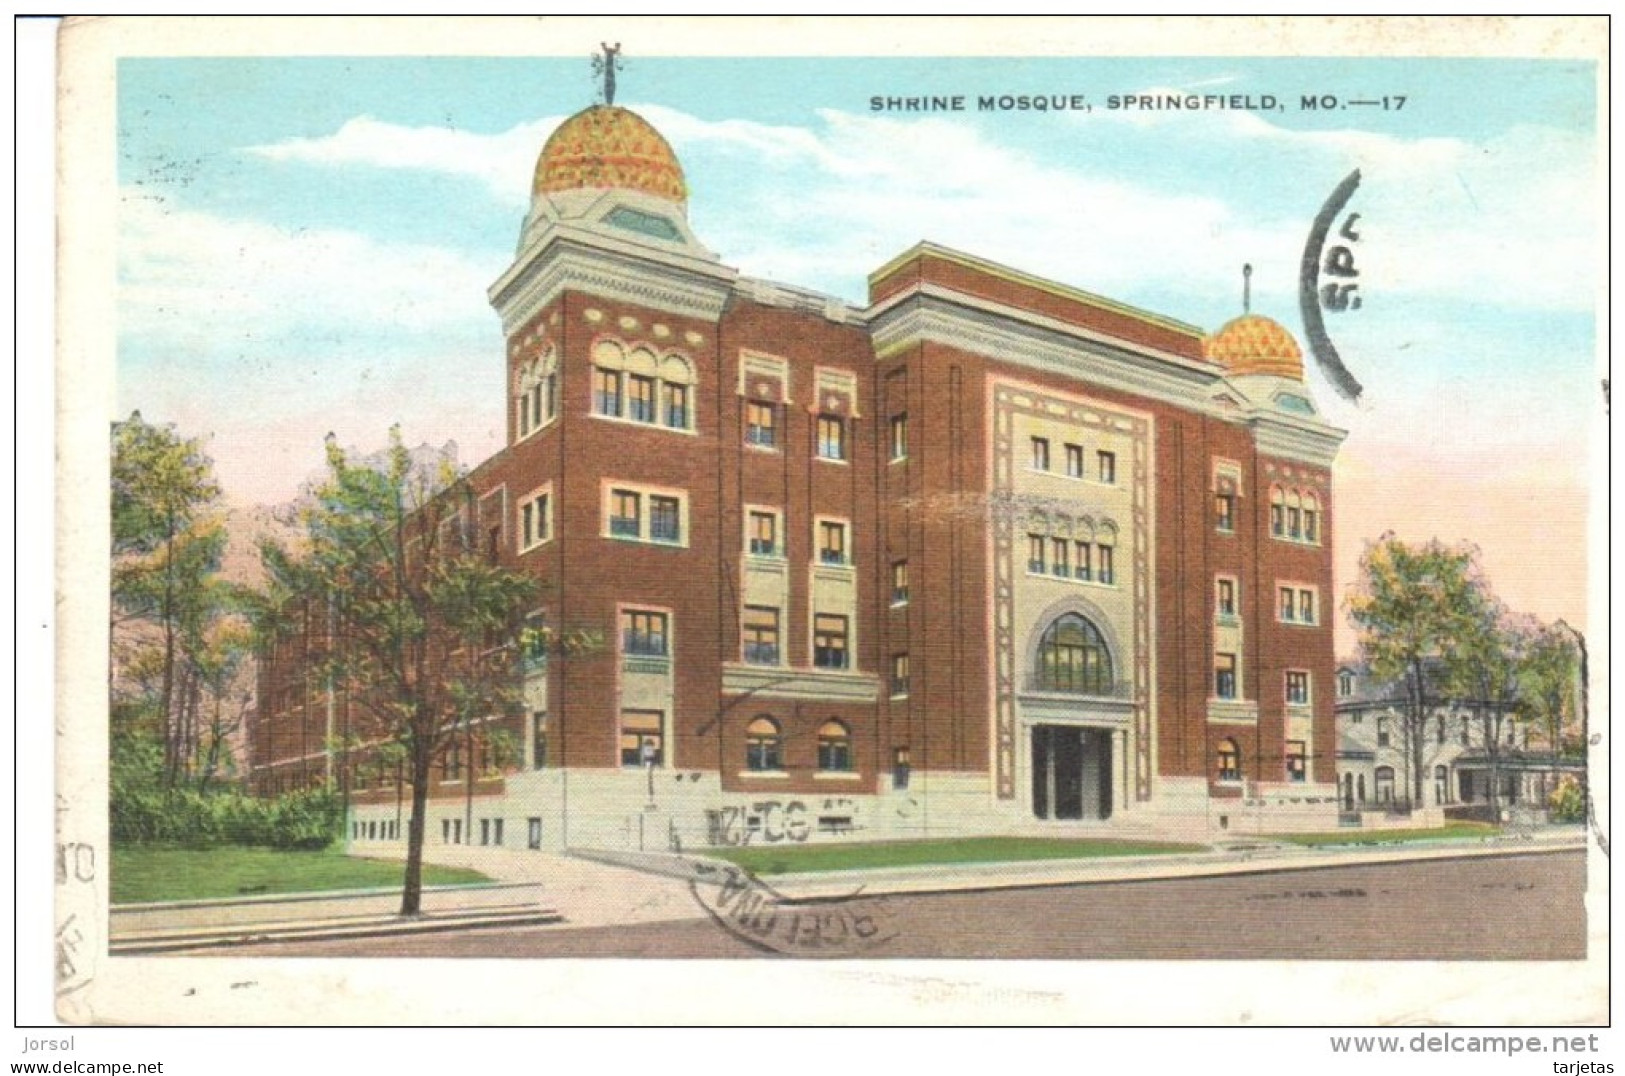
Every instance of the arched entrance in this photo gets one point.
(1072, 762)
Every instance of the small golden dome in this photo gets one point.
(609, 147)
(1253, 344)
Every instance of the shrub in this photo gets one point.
(142, 813)
(1568, 800)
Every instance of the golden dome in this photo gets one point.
(1253, 344)
(609, 147)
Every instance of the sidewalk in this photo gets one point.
(596, 888)
(1240, 858)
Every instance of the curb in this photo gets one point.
(384, 926)
(816, 886)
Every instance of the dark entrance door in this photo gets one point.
(1072, 772)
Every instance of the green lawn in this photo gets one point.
(146, 873)
(1449, 831)
(838, 857)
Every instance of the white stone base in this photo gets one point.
(625, 810)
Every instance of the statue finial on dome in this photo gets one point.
(606, 65)
(1247, 288)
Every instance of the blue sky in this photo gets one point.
(304, 244)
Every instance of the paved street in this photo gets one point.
(1527, 907)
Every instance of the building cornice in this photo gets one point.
(927, 312)
(1283, 437)
(577, 259)
(1017, 276)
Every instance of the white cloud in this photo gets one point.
(1508, 221)
(503, 162)
(195, 278)
(1511, 219)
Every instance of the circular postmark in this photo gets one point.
(846, 926)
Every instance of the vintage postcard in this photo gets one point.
(833, 521)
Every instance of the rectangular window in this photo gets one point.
(1294, 522)
(538, 750)
(1074, 461)
(1306, 606)
(899, 582)
(665, 520)
(1278, 520)
(551, 392)
(1297, 688)
(1036, 553)
(1224, 511)
(1058, 564)
(761, 424)
(1289, 605)
(453, 765)
(1108, 466)
(831, 437)
(1224, 676)
(1086, 562)
(832, 542)
(760, 631)
(643, 633)
(829, 641)
(676, 406)
(764, 534)
(1297, 761)
(643, 740)
(1106, 574)
(640, 398)
(1227, 598)
(1382, 731)
(607, 392)
(1040, 453)
(535, 522)
(899, 437)
(626, 514)
(899, 675)
(1311, 525)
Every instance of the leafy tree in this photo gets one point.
(1551, 672)
(168, 536)
(1412, 606)
(422, 627)
(1485, 666)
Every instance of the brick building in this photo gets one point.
(991, 554)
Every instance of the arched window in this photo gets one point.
(1072, 657)
(1294, 516)
(764, 747)
(1385, 784)
(1311, 518)
(676, 381)
(834, 747)
(1229, 760)
(1277, 512)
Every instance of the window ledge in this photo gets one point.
(898, 459)
(537, 429)
(837, 775)
(770, 775)
(832, 459)
(535, 546)
(772, 450)
(635, 424)
(628, 539)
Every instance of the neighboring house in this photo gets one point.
(1374, 763)
(986, 554)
